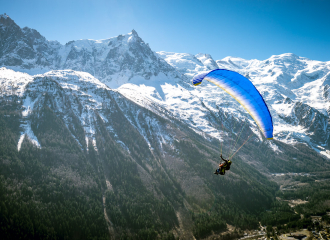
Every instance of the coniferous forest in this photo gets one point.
(69, 189)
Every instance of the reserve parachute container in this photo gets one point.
(241, 89)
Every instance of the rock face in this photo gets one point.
(122, 58)
(25, 48)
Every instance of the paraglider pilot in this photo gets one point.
(223, 167)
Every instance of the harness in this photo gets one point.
(227, 166)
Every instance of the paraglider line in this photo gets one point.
(241, 146)
(238, 137)
(233, 134)
(220, 141)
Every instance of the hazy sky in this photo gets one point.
(241, 28)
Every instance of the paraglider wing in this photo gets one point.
(242, 89)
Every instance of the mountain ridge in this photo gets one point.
(114, 58)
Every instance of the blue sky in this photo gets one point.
(251, 29)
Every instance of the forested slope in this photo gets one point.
(152, 189)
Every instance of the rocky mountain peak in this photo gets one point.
(134, 37)
(4, 18)
(6, 21)
(4, 15)
(134, 33)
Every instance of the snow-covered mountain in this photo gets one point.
(24, 47)
(113, 61)
(296, 89)
(189, 64)
(80, 100)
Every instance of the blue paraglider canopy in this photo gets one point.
(242, 89)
